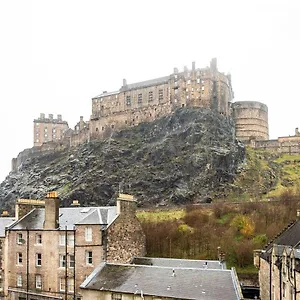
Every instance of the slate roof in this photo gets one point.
(187, 283)
(3, 223)
(68, 217)
(290, 236)
(179, 263)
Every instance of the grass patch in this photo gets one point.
(161, 215)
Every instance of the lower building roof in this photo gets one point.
(177, 282)
(179, 263)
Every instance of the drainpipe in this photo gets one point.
(27, 264)
(66, 262)
(270, 275)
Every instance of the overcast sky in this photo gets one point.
(56, 55)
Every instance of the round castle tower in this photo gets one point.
(251, 120)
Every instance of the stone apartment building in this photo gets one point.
(48, 129)
(279, 266)
(50, 251)
(4, 222)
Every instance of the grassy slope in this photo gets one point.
(264, 175)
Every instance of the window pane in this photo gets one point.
(88, 234)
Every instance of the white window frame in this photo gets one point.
(19, 280)
(71, 239)
(62, 284)
(62, 240)
(38, 259)
(116, 296)
(71, 261)
(62, 260)
(38, 239)
(88, 234)
(71, 285)
(38, 281)
(19, 258)
(88, 257)
(20, 240)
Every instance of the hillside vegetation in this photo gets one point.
(197, 231)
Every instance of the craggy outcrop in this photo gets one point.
(177, 159)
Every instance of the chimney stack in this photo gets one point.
(193, 66)
(126, 204)
(297, 131)
(124, 82)
(51, 211)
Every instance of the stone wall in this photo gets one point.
(264, 279)
(251, 120)
(125, 237)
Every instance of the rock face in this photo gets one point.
(177, 159)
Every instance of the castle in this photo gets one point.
(149, 100)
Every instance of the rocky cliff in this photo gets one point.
(176, 159)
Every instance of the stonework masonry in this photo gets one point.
(47, 255)
(251, 120)
(149, 100)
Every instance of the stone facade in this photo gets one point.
(286, 144)
(48, 129)
(48, 256)
(152, 99)
(251, 120)
(123, 243)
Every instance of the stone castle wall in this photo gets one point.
(251, 120)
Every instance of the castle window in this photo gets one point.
(160, 95)
(175, 76)
(97, 129)
(198, 80)
(128, 100)
(186, 90)
(102, 128)
(150, 96)
(202, 88)
(112, 126)
(189, 81)
(140, 98)
(203, 81)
